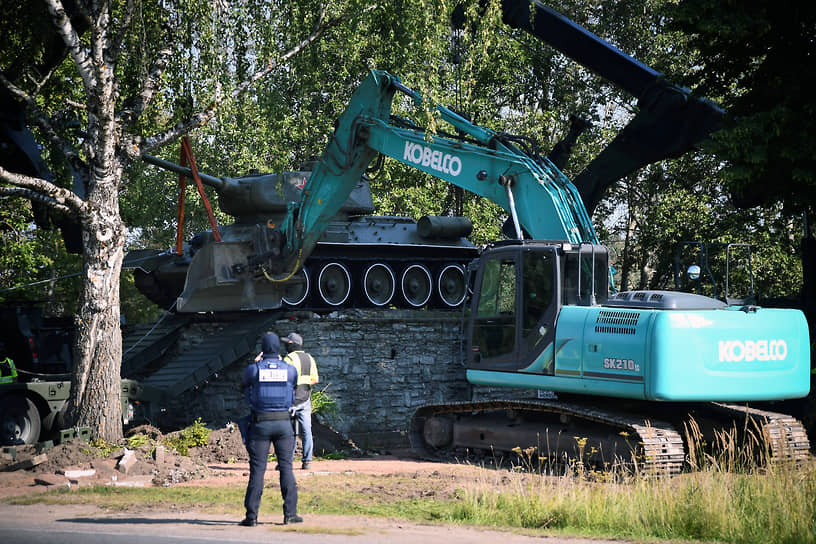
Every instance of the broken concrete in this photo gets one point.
(127, 461)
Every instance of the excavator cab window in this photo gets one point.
(538, 295)
(494, 331)
(514, 317)
(586, 282)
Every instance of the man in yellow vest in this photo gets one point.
(307, 377)
(8, 372)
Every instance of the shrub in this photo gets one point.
(196, 434)
(323, 404)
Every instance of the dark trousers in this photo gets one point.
(261, 434)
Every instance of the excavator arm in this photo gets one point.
(669, 122)
(541, 200)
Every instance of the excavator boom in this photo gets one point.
(545, 202)
(670, 121)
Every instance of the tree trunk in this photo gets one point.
(96, 383)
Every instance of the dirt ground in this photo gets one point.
(222, 461)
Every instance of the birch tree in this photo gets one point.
(117, 58)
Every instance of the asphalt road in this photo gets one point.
(84, 524)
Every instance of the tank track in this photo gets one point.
(348, 266)
(659, 447)
(392, 262)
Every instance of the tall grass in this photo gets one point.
(778, 506)
(735, 492)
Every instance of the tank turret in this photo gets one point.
(361, 260)
(260, 196)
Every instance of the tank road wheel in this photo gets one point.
(297, 290)
(378, 284)
(334, 284)
(19, 421)
(416, 285)
(451, 285)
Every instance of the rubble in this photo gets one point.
(126, 462)
(142, 459)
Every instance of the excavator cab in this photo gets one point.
(520, 287)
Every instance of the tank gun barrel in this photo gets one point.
(219, 184)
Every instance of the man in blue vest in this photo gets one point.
(269, 387)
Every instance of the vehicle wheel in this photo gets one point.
(416, 285)
(19, 421)
(297, 290)
(334, 284)
(378, 284)
(452, 285)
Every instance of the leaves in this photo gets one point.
(758, 60)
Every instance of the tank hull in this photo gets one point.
(365, 262)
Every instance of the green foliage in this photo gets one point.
(135, 307)
(30, 256)
(653, 213)
(501, 78)
(706, 506)
(104, 448)
(137, 441)
(335, 455)
(324, 404)
(196, 434)
(758, 60)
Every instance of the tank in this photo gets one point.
(360, 261)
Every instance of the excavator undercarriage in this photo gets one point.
(604, 434)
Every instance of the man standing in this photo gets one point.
(307, 377)
(269, 386)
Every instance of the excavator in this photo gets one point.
(629, 371)
(541, 313)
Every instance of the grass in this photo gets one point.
(775, 507)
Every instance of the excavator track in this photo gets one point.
(784, 437)
(612, 435)
(610, 438)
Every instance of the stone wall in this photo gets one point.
(378, 365)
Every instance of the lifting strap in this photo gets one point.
(185, 158)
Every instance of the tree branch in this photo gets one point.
(72, 42)
(35, 196)
(318, 31)
(115, 47)
(47, 192)
(137, 146)
(135, 105)
(44, 123)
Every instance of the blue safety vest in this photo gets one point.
(272, 386)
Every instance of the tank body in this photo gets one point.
(361, 260)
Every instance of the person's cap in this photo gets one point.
(270, 344)
(293, 338)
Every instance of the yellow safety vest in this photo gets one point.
(8, 372)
